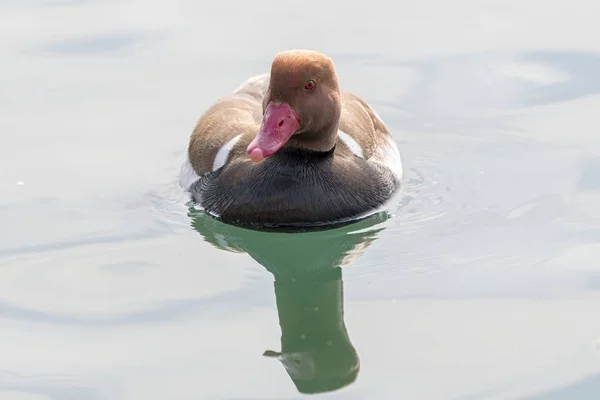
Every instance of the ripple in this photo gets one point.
(157, 212)
(115, 281)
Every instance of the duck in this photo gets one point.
(289, 148)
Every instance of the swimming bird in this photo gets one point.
(288, 147)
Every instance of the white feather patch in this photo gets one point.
(187, 176)
(223, 153)
(389, 155)
(351, 143)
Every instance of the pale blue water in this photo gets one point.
(481, 283)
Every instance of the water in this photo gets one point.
(480, 283)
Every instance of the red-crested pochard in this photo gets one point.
(289, 148)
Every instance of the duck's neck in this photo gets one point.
(303, 153)
(322, 141)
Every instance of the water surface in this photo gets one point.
(480, 283)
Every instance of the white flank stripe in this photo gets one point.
(389, 155)
(351, 143)
(223, 153)
(187, 176)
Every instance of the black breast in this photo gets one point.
(294, 187)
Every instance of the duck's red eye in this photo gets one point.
(310, 85)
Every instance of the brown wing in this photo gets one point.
(362, 123)
(238, 113)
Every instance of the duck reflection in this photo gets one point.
(316, 350)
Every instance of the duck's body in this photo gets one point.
(316, 155)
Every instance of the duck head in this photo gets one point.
(301, 107)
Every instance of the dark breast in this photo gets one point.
(294, 187)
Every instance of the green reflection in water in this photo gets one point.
(316, 350)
